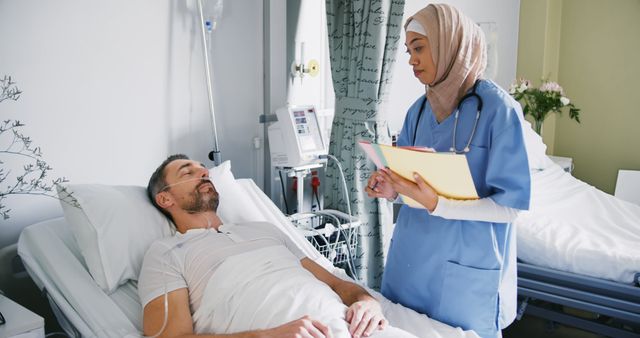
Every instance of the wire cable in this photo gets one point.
(344, 184)
(315, 193)
(348, 201)
(284, 194)
(164, 273)
(350, 256)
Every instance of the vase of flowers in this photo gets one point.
(541, 101)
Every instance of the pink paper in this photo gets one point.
(371, 152)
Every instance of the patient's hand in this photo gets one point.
(303, 327)
(364, 317)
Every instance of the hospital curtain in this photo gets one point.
(363, 39)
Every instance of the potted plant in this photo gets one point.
(541, 101)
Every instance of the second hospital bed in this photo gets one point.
(579, 248)
(54, 260)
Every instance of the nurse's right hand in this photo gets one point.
(378, 187)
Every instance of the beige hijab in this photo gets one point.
(459, 53)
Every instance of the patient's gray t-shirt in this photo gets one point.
(188, 260)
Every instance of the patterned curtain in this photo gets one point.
(363, 39)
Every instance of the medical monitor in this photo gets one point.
(296, 138)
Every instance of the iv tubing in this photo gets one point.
(164, 270)
(216, 150)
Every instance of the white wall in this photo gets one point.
(307, 23)
(304, 22)
(405, 88)
(306, 26)
(113, 87)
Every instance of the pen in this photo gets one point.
(374, 185)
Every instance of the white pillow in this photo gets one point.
(115, 225)
(233, 198)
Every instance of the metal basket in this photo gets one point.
(335, 243)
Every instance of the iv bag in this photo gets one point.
(212, 10)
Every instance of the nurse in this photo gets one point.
(455, 261)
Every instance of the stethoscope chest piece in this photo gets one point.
(465, 150)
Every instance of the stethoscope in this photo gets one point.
(453, 148)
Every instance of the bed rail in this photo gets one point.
(584, 283)
(619, 301)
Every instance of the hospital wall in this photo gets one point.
(304, 29)
(538, 51)
(110, 88)
(592, 48)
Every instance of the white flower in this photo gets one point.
(523, 86)
(565, 100)
(551, 87)
(520, 86)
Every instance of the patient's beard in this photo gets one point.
(200, 202)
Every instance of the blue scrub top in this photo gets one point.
(463, 273)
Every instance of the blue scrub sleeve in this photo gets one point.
(508, 174)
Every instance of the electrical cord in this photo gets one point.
(315, 183)
(170, 250)
(315, 193)
(344, 182)
(326, 242)
(337, 239)
(350, 256)
(348, 201)
(284, 194)
(332, 247)
(335, 219)
(164, 276)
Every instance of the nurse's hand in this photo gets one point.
(419, 191)
(364, 317)
(379, 188)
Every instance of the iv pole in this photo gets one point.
(214, 155)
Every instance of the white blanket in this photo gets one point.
(572, 226)
(266, 288)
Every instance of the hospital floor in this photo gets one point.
(534, 327)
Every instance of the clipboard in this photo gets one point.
(447, 173)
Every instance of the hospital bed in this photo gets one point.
(578, 248)
(55, 261)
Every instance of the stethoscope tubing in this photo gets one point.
(479, 105)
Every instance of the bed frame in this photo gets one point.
(543, 292)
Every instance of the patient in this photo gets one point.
(240, 280)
